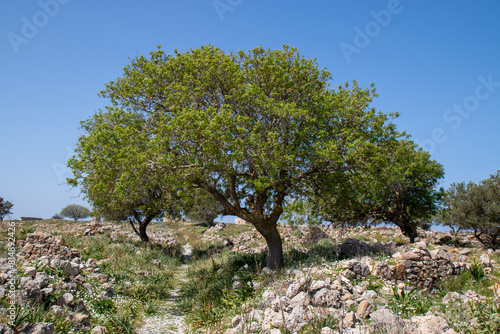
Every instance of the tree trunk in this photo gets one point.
(142, 232)
(274, 246)
(408, 230)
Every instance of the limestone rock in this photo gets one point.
(364, 309)
(37, 328)
(381, 270)
(326, 298)
(293, 289)
(81, 320)
(4, 329)
(65, 299)
(267, 298)
(385, 319)
(485, 260)
(399, 271)
(302, 299)
(430, 324)
(99, 330)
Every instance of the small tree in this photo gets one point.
(5, 208)
(114, 176)
(57, 216)
(475, 207)
(202, 206)
(395, 183)
(75, 211)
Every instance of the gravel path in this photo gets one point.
(168, 319)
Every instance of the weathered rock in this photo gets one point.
(37, 328)
(485, 261)
(364, 309)
(302, 299)
(65, 299)
(81, 320)
(326, 298)
(30, 271)
(281, 304)
(272, 319)
(317, 285)
(327, 330)
(99, 330)
(385, 319)
(293, 289)
(381, 270)
(350, 320)
(267, 298)
(4, 329)
(79, 307)
(399, 271)
(430, 324)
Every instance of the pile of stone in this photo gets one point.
(41, 245)
(44, 257)
(304, 299)
(424, 267)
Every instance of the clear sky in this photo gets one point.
(437, 63)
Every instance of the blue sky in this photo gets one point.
(437, 63)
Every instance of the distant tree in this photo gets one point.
(202, 206)
(475, 207)
(5, 208)
(57, 216)
(75, 211)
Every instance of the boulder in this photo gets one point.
(384, 319)
(326, 298)
(430, 324)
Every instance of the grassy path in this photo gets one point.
(168, 319)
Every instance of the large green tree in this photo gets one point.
(475, 207)
(250, 128)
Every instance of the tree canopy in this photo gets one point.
(249, 128)
(475, 207)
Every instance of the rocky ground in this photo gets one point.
(350, 295)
